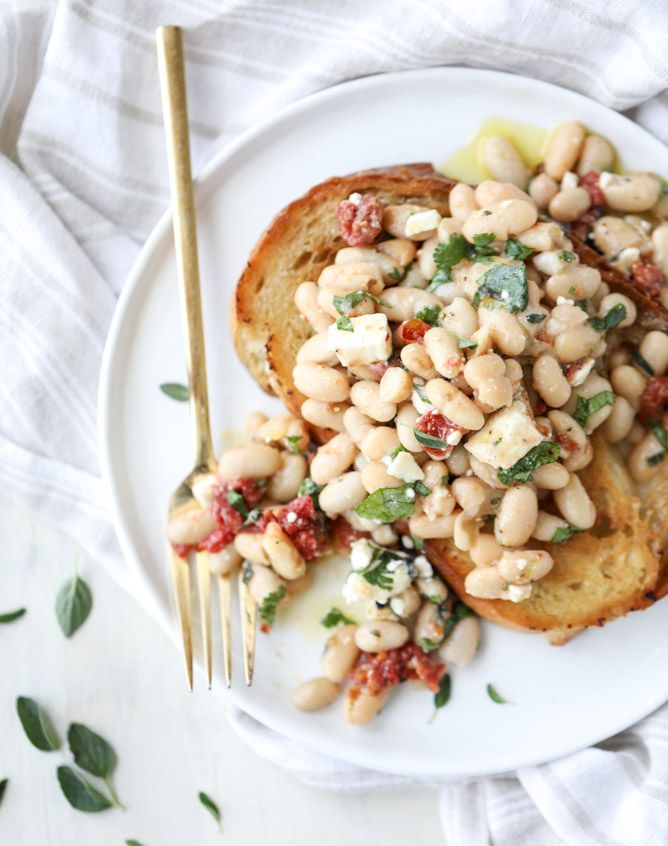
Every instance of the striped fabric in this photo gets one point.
(83, 181)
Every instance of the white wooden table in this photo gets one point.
(120, 676)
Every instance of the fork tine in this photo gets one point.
(204, 591)
(225, 595)
(247, 609)
(181, 581)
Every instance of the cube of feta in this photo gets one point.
(518, 593)
(403, 466)
(421, 222)
(506, 437)
(361, 553)
(370, 340)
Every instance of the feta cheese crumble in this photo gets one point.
(370, 340)
(403, 466)
(506, 437)
(421, 222)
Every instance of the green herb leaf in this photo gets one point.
(133, 843)
(3, 787)
(567, 256)
(655, 459)
(395, 452)
(418, 543)
(378, 573)
(613, 318)
(396, 275)
(444, 690)
(545, 452)
(80, 793)
(91, 752)
(267, 608)
(73, 605)
(12, 615)
(430, 441)
(211, 806)
(421, 392)
(334, 617)
(238, 502)
(461, 610)
(535, 318)
(659, 432)
(582, 304)
(506, 285)
(345, 324)
(309, 488)
(345, 304)
(422, 489)
(642, 362)
(563, 533)
(495, 696)
(36, 724)
(586, 407)
(515, 249)
(449, 254)
(429, 314)
(175, 391)
(293, 440)
(465, 344)
(426, 644)
(484, 239)
(388, 504)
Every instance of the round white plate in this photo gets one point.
(564, 698)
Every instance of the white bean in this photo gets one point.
(642, 461)
(306, 300)
(282, 553)
(628, 383)
(597, 155)
(333, 458)
(327, 415)
(654, 349)
(395, 385)
(620, 421)
(443, 349)
(314, 694)
(550, 382)
(575, 505)
(503, 161)
(321, 383)
(490, 191)
(400, 250)
(660, 243)
(402, 303)
(502, 219)
(551, 477)
(375, 476)
(423, 526)
(380, 635)
(257, 461)
(541, 190)
(570, 204)
(264, 582)
(361, 705)
(455, 405)
(522, 566)
(379, 442)
(249, 546)
(365, 395)
(460, 648)
(340, 655)
(517, 516)
(564, 149)
(284, 484)
(634, 192)
(486, 374)
(485, 583)
(416, 359)
(462, 201)
(547, 525)
(342, 494)
(225, 561)
(191, 526)
(344, 278)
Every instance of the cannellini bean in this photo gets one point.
(405, 422)
(641, 461)
(281, 426)
(517, 516)
(416, 359)
(573, 344)
(423, 526)
(264, 582)
(486, 550)
(384, 536)
(660, 243)
(379, 442)
(306, 300)
(541, 190)
(455, 405)
(490, 191)
(465, 531)
(191, 526)
(447, 227)
(552, 262)
(356, 255)
(375, 476)
(522, 566)
(282, 553)
(429, 625)
(284, 484)
(486, 473)
(654, 349)
(249, 546)
(550, 382)
(612, 235)
(462, 201)
(485, 583)
(575, 505)
(569, 204)
(395, 385)
(620, 421)
(433, 590)
(460, 648)
(333, 458)
(458, 461)
(321, 383)
(361, 706)
(257, 461)
(486, 374)
(460, 317)
(564, 149)
(634, 192)
(503, 219)
(316, 351)
(344, 278)
(357, 424)
(327, 415)
(597, 155)
(543, 236)
(547, 525)
(254, 421)
(402, 303)
(551, 477)
(426, 261)
(406, 603)
(314, 694)
(365, 395)
(503, 161)
(340, 655)
(225, 561)
(628, 383)
(380, 635)
(400, 250)
(417, 223)
(505, 331)
(575, 283)
(443, 350)
(343, 493)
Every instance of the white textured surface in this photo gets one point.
(121, 676)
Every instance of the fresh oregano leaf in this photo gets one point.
(12, 615)
(444, 691)
(211, 807)
(36, 724)
(91, 752)
(73, 605)
(334, 617)
(3, 788)
(495, 696)
(175, 391)
(80, 793)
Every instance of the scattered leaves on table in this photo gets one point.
(80, 793)
(37, 725)
(10, 616)
(93, 754)
(495, 696)
(73, 605)
(211, 807)
(442, 697)
(175, 391)
(3, 787)
(133, 843)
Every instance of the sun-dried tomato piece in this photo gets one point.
(654, 399)
(378, 671)
(437, 425)
(582, 227)
(647, 276)
(565, 442)
(360, 222)
(590, 181)
(343, 534)
(300, 521)
(411, 331)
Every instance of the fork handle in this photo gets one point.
(175, 112)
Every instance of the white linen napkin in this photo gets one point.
(83, 181)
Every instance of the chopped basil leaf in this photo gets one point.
(564, 533)
(567, 256)
(659, 432)
(483, 240)
(582, 304)
(346, 303)
(237, 502)
(426, 644)
(460, 611)
(430, 441)
(267, 608)
(422, 489)
(449, 254)
(421, 392)
(481, 250)
(642, 362)
(418, 543)
(388, 504)
(395, 452)
(333, 617)
(535, 318)
(588, 406)
(378, 572)
(466, 344)
(507, 285)
(429, 314)
(613, 318)
(496, 697)
(522, 471)
(655, 459)
(293, 440)
(345, 324)
(517, 250)
(444, 689)
(396, 275)
(309, 488)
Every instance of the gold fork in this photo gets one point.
(173, 87)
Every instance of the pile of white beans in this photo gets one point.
(548, 355)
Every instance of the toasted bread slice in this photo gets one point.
(599, 575)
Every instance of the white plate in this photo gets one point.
(565, 698)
